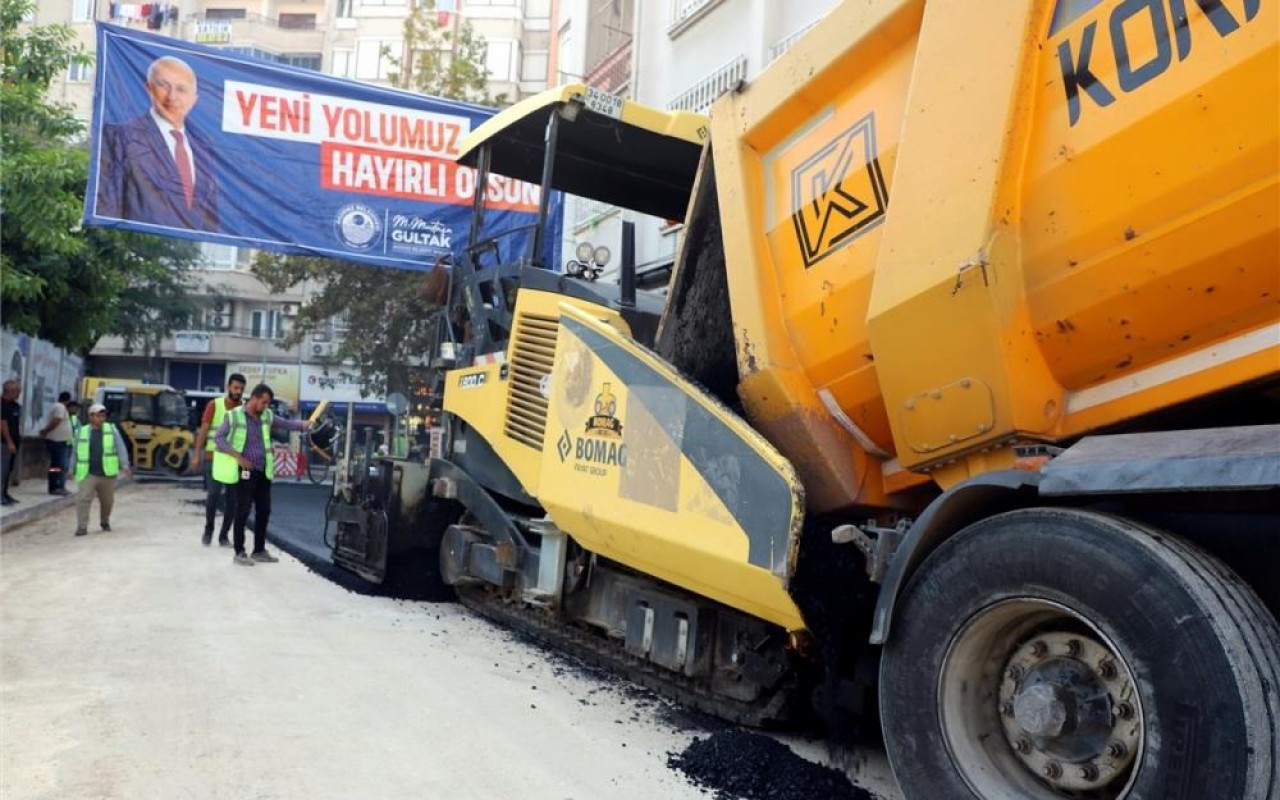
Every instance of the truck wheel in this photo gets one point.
(1046, 654)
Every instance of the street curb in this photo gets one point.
(18, 519)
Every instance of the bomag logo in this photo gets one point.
(838, 193)
(1164, 22)
(605, 422)
(600, 447)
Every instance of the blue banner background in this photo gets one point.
(270, 192)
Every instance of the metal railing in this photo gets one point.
(783, 45)
(296, 23)
(701, 95)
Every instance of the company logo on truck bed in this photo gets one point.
(1132, 21)
(838, 192)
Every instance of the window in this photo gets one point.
(533, 67)
(80, 73)
(537, 9)
(380, 3)
(297, 22)
(344, 8)
(268, 324)
(343, 63)
(140, 407)
(222, 256)
(225, 13)
(302, 60)
(373, 58)
(82, 10)
(497, 59)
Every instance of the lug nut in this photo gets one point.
(1107, 669)
(1039, 649)
(1089, 772)
(1023, 746)
(1124, 711)
(1116, 749)
(1006, 708)
(1073, 648)
(1016, 672)
(1053, 770)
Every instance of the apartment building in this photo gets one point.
(358, 39)
(680, 54)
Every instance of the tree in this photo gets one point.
(386, 310)
(392, 311)
(442, 61)
(64, 283)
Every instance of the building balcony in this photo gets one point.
(613, 73)
(237, 344)
(287, 34)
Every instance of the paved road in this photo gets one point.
(138, 665)
(297, 527)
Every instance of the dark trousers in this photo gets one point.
(10, 467)
(59, 455)
(213, 491)
(6, 467)
(255, 492)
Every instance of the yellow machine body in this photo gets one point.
(946, 233)
(957, 230)
(633, 462)
(153, 421)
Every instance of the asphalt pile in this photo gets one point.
(741, 765)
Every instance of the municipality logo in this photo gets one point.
(838, 193)
(357, 226)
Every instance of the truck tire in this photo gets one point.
(1049, 653)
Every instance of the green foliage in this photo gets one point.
(388, 318)
(59, 281)
(442, 61)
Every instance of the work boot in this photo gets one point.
(106, 527)
(207, 539)
(223, 541)
(264, 557)
(242, 559)
(10, 499)
(81, 532)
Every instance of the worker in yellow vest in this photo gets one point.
(98, 458)
(245, 463)
(73, 413)
(215, 413)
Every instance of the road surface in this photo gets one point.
(140, 664)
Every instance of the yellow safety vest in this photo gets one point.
(225, 467)
(219, 414)
(110, 459)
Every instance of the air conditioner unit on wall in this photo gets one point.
(220, 315)
(289, 309)
(323, 349)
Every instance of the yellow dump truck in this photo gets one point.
(960, 412)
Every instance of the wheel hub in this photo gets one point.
(1067, 710)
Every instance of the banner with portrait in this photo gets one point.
(192, 141)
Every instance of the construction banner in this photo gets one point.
(201, 143)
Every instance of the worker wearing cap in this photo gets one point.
(99, 456)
